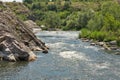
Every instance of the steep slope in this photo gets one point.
(13, 32)
(21, 11)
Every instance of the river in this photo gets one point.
(69, 59)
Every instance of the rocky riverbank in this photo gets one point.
(110, 46)
(17, 41)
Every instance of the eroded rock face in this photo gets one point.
(12, 50)
(17, 41)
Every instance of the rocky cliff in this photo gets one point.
(17, 41)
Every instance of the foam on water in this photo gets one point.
(92, 47)
(103, 65)
(73, 55)
(57, 45)
(60, 33)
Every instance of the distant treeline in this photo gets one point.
(97, 19)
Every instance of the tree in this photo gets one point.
(52, 20)
(28, 1)
(36, 6)
(52, 7)
(66, 5)
(95, 23)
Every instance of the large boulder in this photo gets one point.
(12, 50)
(17, 41)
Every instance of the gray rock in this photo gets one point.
(12, 50)
(93, 44)
(113, 48)
(106, 47)
(101, 43)
(16, 38)
(113, 42)
(85, 39)
(117, 53)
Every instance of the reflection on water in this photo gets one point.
(69, 59)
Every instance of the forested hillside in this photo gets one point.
(97, 19)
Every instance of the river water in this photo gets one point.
(69, 59)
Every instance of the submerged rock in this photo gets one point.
(93, 44)
(17, 41)
(113, 43)
(101, 43)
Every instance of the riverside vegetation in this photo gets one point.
(97, 19)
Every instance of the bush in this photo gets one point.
(37, 15)
(66, 6)
(22, 17)
(110, 36)
(52, 20)
(52, 7)
(84, 33)
(64, 14)
(28, 1)
(36, 6)
(102, 36)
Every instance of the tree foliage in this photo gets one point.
(98, 19)
(105, 25)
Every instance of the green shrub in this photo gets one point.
(64, 14)
(66, 5)
(110, 36)
(52, 7)
(22, 17)
(102, 36)
(85, 33)
(28, 1)
(36, 6)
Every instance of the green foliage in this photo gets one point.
(66, 6)
(84, 18)
(98, 19)
(112, 8)
(71, 25)
(63, 14)
(84, 33)
(2, 7)
(28, 1)
(98, 35)
(36, 6)
(110, 23)
(95, 23)
(105, 24)
(52, 20)
(36, 15)
(71, 22)
(22, 17)
(52, 7)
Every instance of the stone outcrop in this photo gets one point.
(17, 41)
(33, 26)
(12, 50)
